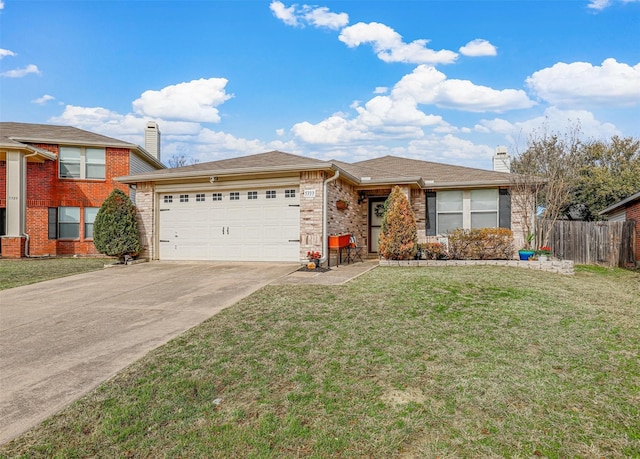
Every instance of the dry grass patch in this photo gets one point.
(437, 362)
(14, 273)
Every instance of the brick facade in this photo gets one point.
(45, 190)
(633, 213)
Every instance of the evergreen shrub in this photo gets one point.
(115, 230)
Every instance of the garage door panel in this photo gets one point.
(243, 230)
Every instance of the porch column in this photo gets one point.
(13, 241)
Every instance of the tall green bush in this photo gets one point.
(399, 234)
(115, 230)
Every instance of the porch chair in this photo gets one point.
(354, 253)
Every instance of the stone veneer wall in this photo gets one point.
(146, 220)
(352, 220)
(311, 213)
(553, 266)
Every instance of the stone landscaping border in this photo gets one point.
(554, 266)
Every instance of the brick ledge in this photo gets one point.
(554, 266)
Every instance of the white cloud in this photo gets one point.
(286, 15)
(583, 84)
(190, 101)
(320, 17)
(558, 120)
(1, 5)
(478, 47)
(6, 52)
(449, 149)
(430, 86)
(397, 115)
(19, 73)
(43, 100)
(389, 47)
(600, 5)
(381, 90)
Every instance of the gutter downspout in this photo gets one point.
(24, 184)
(325, 193)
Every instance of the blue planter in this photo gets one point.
(526, 254)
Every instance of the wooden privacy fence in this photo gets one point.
(592, 243)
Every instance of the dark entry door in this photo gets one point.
(376, 211)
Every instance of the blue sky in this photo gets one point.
(441, 80)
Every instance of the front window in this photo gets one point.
(450, 211)
(466, 209)
(69, 222)
(82, 163)
(484, 208)
(89, 218)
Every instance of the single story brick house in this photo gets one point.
(53, 180)
(277, 206)
(627, 209)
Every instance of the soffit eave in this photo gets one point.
(169, 176)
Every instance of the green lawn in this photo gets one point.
(407, 363)
(14, 273)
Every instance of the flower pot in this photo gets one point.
(525, 254)
(341, 205)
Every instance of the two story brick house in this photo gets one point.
(53, 180)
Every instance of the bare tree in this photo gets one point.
(544, 177)
(179, 160)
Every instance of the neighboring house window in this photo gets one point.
(52, 223)
(217, 196)
(89, 217)
(271, 194)
(81, 163)
(200, 197)
(252, 195)
(68, 222)
(466, 209)
(289, 193)
(184, 198)
(234, 196)
(168, 199)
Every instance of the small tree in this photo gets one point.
(399, 235)
(115, 230)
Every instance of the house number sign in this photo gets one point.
(309, 193)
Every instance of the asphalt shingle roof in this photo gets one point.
(13, 134)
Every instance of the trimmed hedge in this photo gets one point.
(399, 235)
(115, 230)
(481, 244)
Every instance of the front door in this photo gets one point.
(376, 211)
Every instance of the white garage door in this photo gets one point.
(239, 225)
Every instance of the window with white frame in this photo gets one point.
(89, 218)
(466, 209)
(289, 193)
(81, 163)
(252, 195)
(271, 194)
(68, 222)
(168, 199)
(217, 196)
(234, 196)
(184, 198)
(199, 197)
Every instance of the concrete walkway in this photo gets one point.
(336, 276)
(61, 338)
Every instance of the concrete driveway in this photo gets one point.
(61, 338)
